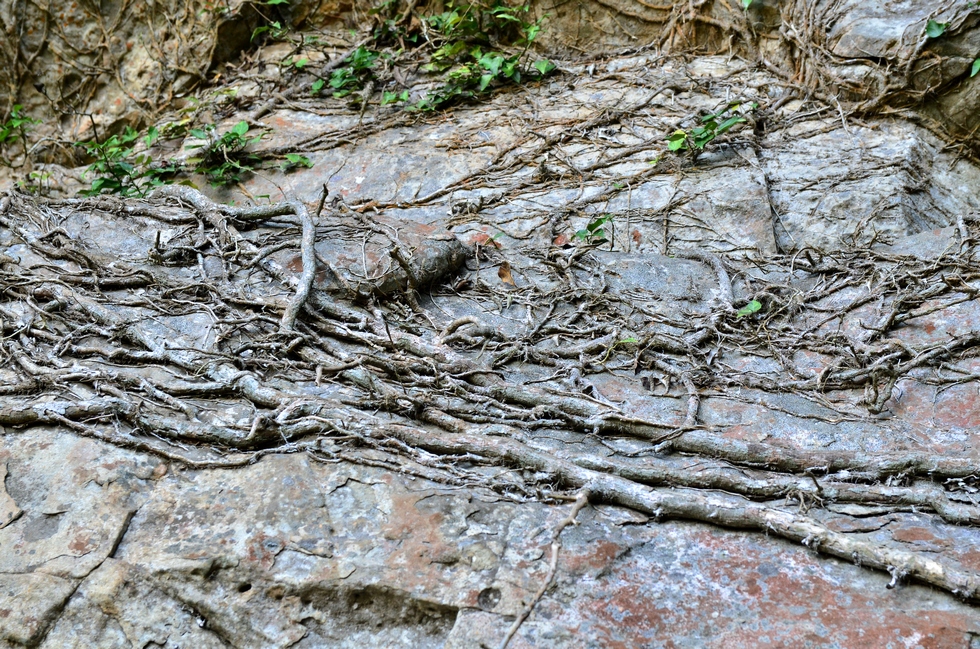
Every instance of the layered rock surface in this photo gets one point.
(152, 499)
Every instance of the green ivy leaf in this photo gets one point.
(935, 30)
(975, 68)
(294, 160)
(240, 129)
(544, 66)
(677, 140)
(388, 97)
(317, 87)
(746, 4)
(151, 136)
(730, 122)
(491, 62)
(752, 307)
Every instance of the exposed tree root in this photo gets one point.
(299, 369)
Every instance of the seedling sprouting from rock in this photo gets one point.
(711, 127)
(119, 169)
(223, 158)
(595, 231)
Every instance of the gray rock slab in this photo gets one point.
(289, 552)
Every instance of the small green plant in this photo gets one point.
(393, 97)
(935, 29)
(223, 157)
(469, 56)
(275, 30)
(120, 170)
(15, 129)
(471, 46)
(36, 183)
(752, 307)
(595, 231)
(711, 127)
(975, 68)
(294, 161)
(351, 75)
(746, 4)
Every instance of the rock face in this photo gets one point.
(74, 66)
(782, 324)
(118, 60)
(291, 552)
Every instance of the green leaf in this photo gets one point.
(728, 123)
(746, 4)
(491, 62)
(485, 81)
(151, 136)
(702, 141)
(294, 160)
(975, 68)
(544, 66)
(677, 141)
(299, 63)
(276, 2)
(297, 159)
(752, 307)
(240, 129)
(317, 86)
(935, 30)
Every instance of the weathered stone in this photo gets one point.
(118, 547)
(346, 556)
(9, 511)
